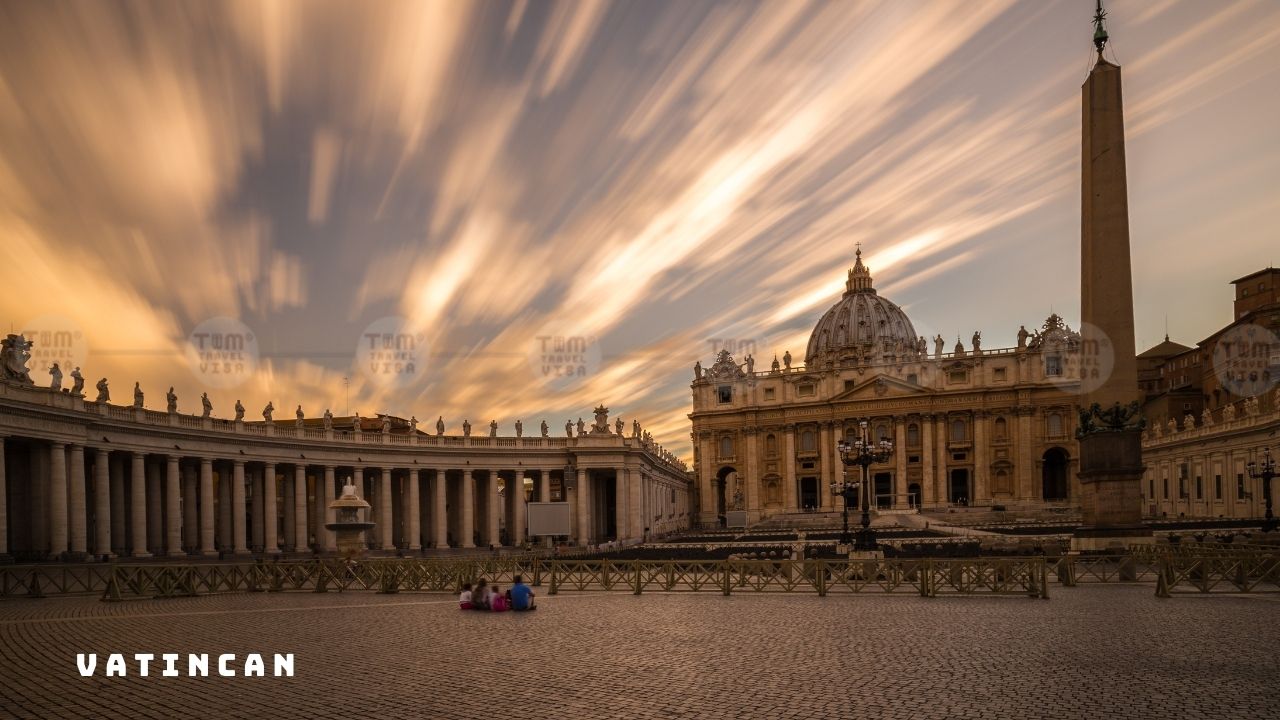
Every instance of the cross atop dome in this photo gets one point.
(859, 276)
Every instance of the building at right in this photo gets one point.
(1212, 409)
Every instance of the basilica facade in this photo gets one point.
(970, 427)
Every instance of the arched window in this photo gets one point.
(808, 442)
(771, 446)
(958, 433)
(882, 431)
(913, 435)
(726, 446)
(1053, 424)
(1002, 429)
(1003, 483)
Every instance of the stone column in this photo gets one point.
(206, 507)
(981, 465)
(190, 509)
(115, 467)
(101, 501)
(637, 518)
(620, 497)
(57, 500)
(492, 509)
(138, 505)
(942, 486)
(287, 535)
(928, 493)
(517, 509)
(155, 509)
(414, 497)
(357, 479)
(1024, 476)
(4, 508)
(899, 486)
(789, 468)
(385, 519)
(826, 446)
(256, 535)
(324, 535)
(751, 483)
(300, 540)
(544, 486)
(270, 516)
(468, 493)
(77, 509)
(439, 522)
(239, 539)
(173, 509)
(224, 510)
(584, 510)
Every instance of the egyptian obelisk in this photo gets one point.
(1110, 433)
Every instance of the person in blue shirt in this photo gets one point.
(521, 595)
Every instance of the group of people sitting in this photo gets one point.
(485, 597)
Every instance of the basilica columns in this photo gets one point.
(439, 500)
(77, 509)
(414, 502)
(981, 465)
(789, 469)
(324, 536)
(206, 507)
(101, 502)
(239, 540)
(899, 488)
(57, 499)
(826, 447)
(386, 520)
(173, 509)
(468, 514)
(4, 507)
(190, 509)
(929, 479)
(637, 519)
(300, 508)
(584, 508)
(119, 534)
(516, 494)
(138, 505)
(271, 524)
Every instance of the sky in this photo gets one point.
(414, 207)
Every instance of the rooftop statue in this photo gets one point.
(104, 395)
(137, 394)
(466, 428)
(206, 406)
(355, 423)
(1022, 337)
(328, 419)
(77, 382)
(977, 343)
(519, 429)
(171, 400)
(568, 428)
(493, 428)
(938, 345)
(386, 424)
(440, 425)
(298, 417)
(413, 424)
(55, 373)
(786, 360)
(16, 351)
(617, 427)
(545, 429)
(239, 411)
(266, 411)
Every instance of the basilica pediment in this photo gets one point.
(881, 386)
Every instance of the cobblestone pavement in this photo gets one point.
(1093, 651)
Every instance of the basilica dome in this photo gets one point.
(862, 328)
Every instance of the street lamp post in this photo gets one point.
(1266, 472)
(863, 452)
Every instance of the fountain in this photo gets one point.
(349, 527)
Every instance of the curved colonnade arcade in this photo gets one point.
(80, 478)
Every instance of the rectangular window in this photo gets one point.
(1000, 374)
(768, 394)
(913, 379)
(1239, 486)
(1199, 488)
(724, 394)
(804, 390)
(1052, 365)
(1166, 488)
(806, 466)
(848, 385)
(959, 457)
(913, 458)
(957, 376)
(1217, 488)
(1182, 488)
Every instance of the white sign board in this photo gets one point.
(548, 518)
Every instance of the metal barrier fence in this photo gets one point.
(1224, 568)
(924, 577)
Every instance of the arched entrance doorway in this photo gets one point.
(726, 482)
(1053, 474)
(884, 490)
(913, 495)
(958, 487)
(809, 493)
